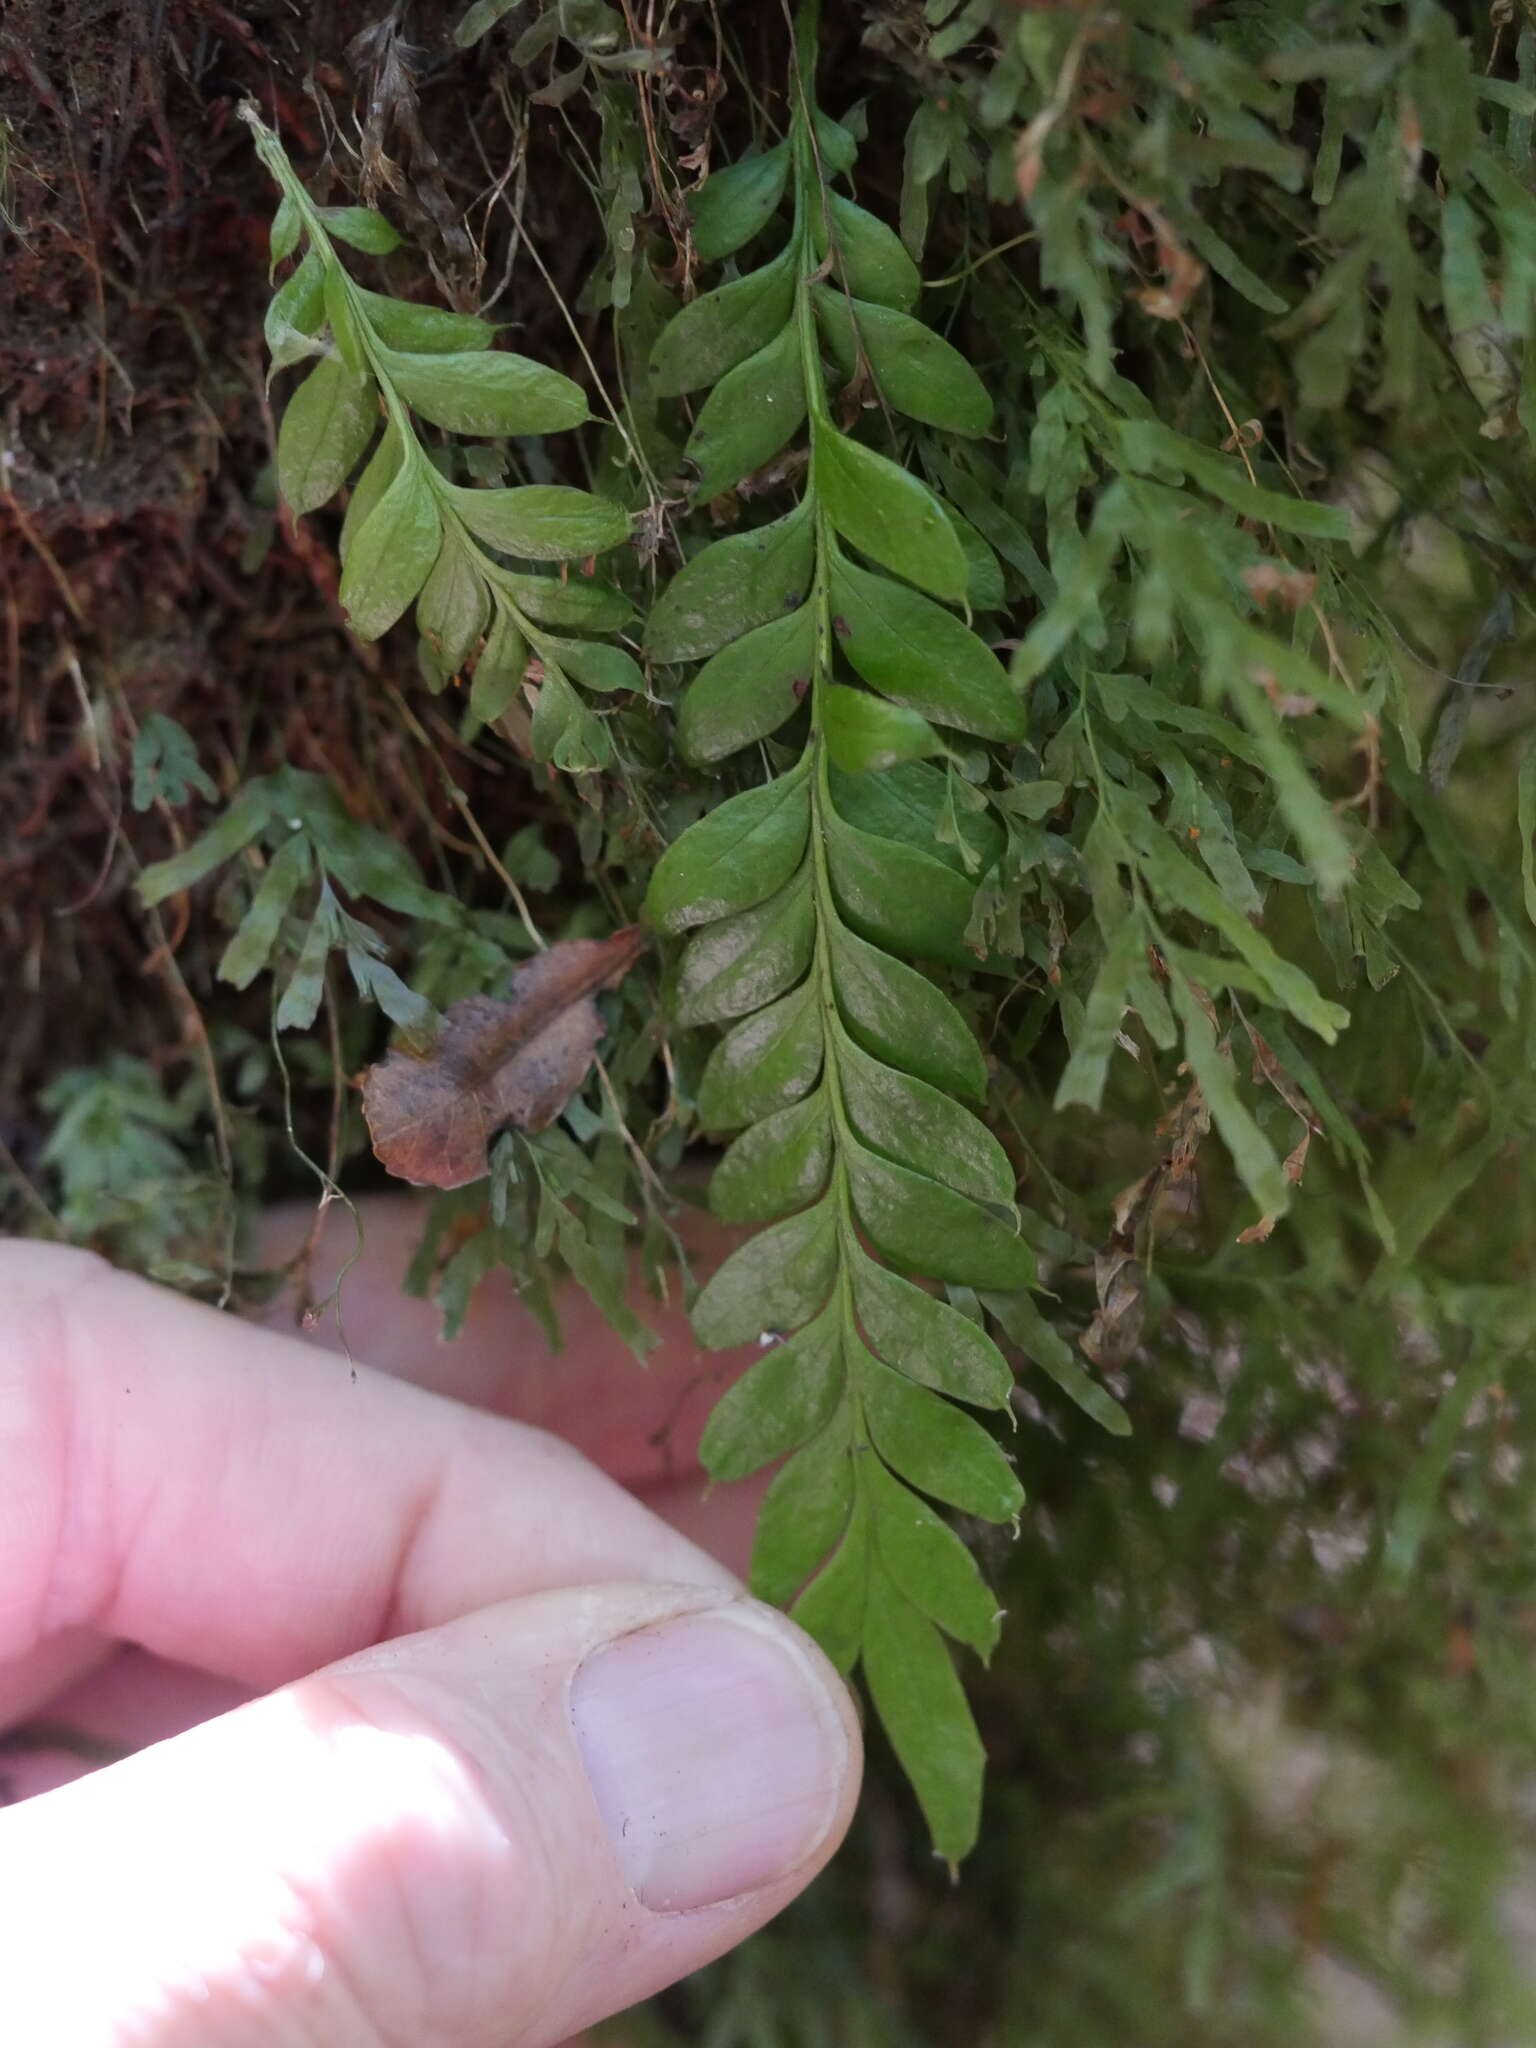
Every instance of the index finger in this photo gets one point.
(229, 1497)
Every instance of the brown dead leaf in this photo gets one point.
(1289, 703)
(1294, 1167)
(1291, 586)
(1121, 1283)
(1147, 1212)
(1183, 276)
(514, 1060)
(398, 158)
(1267, 1068)
(1185, 1125)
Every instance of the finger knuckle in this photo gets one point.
(440, 1913)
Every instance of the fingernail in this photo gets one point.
(716, 1753)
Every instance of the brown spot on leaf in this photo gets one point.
(515, 1060)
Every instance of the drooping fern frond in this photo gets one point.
(845, 1069)
(411, 534)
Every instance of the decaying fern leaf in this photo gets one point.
(844, 1069)
(410, 534)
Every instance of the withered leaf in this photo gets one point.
(513, 1060)
(1121, 1281)
(1145, 1213)
(1293, 1168)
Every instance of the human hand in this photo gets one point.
(522, 1754)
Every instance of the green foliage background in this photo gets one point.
(1247, 926)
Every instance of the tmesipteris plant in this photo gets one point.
(411, 535)
(845, 1069)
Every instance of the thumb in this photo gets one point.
(498, 1830)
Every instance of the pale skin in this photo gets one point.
(462, 1730)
